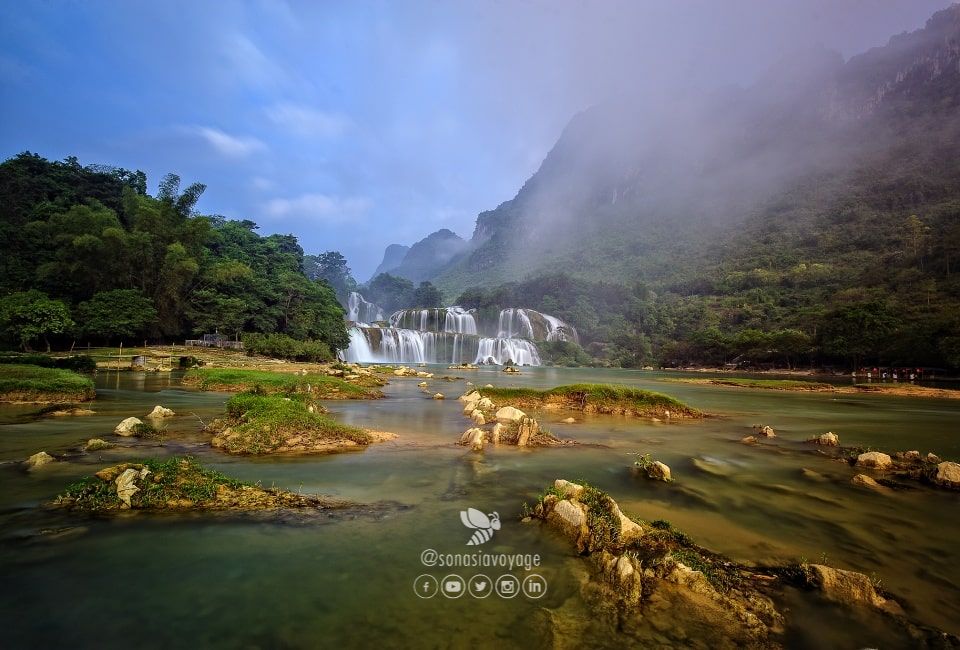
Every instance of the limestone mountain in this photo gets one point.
(429, 255)
(392, 257)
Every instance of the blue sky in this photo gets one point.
(359, 124)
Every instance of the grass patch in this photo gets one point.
(170, 480)
(261, 424)
(599, 398)
(766, 384)
(25, 383)
(265, 382)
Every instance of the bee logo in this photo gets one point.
(484, 524)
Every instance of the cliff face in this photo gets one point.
(392, 257)
(631, 187)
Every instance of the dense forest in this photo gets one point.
(91, 257)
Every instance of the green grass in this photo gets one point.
(769, 384)
(169, 479)
(604, 398)
(270, 383)
(263, 423)
(21, 383)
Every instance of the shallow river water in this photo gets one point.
(349, 581)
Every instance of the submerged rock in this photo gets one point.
(948, 475)
(423, 384)
(875, 460)
(96, 444)
(160, 412)
(767, 432)
(71, 412)
(39, 459)
(828, 439)
(126, 427)
(438, 396)
(749, 440)
(849, 588)
(569, 420)
(865, 481)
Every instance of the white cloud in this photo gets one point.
(318, 207)
(231, 146)
(262, 183)
(308, 121)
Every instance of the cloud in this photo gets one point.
(308, 121)
(231, 146)
(318, 208)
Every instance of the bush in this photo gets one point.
(563, 353)
(78, 363)
(281, 346)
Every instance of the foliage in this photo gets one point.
(602, 397)
(281, 346)
(30, 315)
(269, 383)
(77, 363)
(331, 267)
(24, 383)
(128, 264)
(563, 353)
(391, 292)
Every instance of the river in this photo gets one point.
(206, 581)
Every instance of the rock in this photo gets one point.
(438, 396)
(569, 420)
(509, 415)
(528, 429)
(496, 433)
(485, 404)
(933, 458)
(568, 489)
(125, 428)
(126, 484)
(749, 440)
(912, 455)
(474, 438)
(477, 417)
(865, 481)
(423, 384)
(948, 474)
(849, 588)
(875, 460)
(511, 370)
(472, 396)
(108, 474)
(828, 439)
(811, 475)
(570, 518)
(767, 432)
(160, 412)
(659, 471)
(489, 386)
(96, 444)
(39, 459)
(68, 412)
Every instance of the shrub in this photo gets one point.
(281, 346)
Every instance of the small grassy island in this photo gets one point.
(265, 424)
(318, 386)
(799, 385)
(176, 484)
(595, 398)
(23, 383)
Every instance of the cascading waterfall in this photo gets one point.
(359, 310)
(450, 335)
(445, 319)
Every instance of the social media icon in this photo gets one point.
(453, 586)
(480, 586)
(507, 586)
(425, 586)
(534, 586)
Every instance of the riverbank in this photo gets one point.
(20, 384)
(902, 390)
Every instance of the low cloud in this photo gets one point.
(231, 146)
(318, 208)
(305, 120)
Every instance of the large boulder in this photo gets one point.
(485, 404)
(948, 474)
(474, 438)
(160, 412)
(473, 396)
(126, 427)
(510, 415)
(477, 417)
(828, 439)
(874, 460)
(527, 430)
(659, 471)
(96, 444)
(496, 433)
(39, 459)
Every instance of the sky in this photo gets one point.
(358, 124)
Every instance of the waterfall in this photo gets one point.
(360, 310)
(445, 319)
(514, 323)
(534, 325)
(560, 331)
(503, 350)
(402, 345)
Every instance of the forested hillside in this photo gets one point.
(90, 256)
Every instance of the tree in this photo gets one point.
(427, 296)
(857, 331)
(332, 267)
(28, 315)
(120, 313)
(390, 292)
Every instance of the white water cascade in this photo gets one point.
(501, 351)
(359, 310)
(445, 319)
(534, 325)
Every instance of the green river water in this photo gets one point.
(348, 581)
